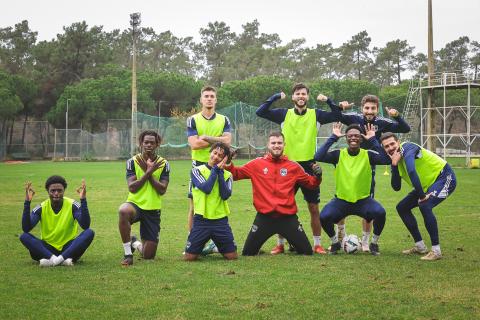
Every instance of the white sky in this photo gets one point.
(334, 21)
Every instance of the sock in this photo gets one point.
(316, 240)
(137, 245)
(436, 249)
(127, 248)
(280, 241)
(366, 236)
(420, 245)
(58, 260)
(341, 228)
(375, 239)
(334, 239)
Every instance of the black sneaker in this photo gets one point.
(291, 248)
(134, 238)
(335, 247)
(127, 260)
(374, 249)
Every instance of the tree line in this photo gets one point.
(90, 68)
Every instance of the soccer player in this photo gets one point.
(299, 126)
(59, 219)
(203, 130)
(432, 179)
(147, 179)
(353, 179)
(369, 115)
(274, 178)
(211, 187)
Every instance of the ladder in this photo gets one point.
(411, 111)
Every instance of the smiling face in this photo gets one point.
(275, 146)
(354, 138)
(370, 110)
(391, 145)
(300, 98)
(208, 99)
(216, 155)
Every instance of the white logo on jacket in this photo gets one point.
(265, 170)
(283, 172)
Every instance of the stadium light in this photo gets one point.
(134, 23)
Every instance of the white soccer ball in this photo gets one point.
(351, 243)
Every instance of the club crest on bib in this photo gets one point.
(265, 170)
(283, 172)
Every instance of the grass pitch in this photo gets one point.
(288, 286)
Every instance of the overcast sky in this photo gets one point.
(317, 21)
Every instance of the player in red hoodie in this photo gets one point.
(273, 185)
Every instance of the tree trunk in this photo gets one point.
(398, 73)
(24, 126)
(11, 136)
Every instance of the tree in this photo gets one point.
(354, 55)
(475, 58)
(16, 46)
(419, 65)
(392, 59)
(454, 57)
(10, 105)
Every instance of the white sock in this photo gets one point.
(280, 241)
(316, 240)
(127, 248)
(334, 239)
(420, 245)
(366, 236)
(436, 249)
(375, 239)
(137, 245)
(58, 260)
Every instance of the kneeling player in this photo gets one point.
(59, 219)
(211, 187)
(433, 181)
(353, 179)
(147, 179)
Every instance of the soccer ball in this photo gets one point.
(351, 244)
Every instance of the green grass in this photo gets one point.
(357, 286)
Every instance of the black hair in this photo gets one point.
(142, 135)
(299, 86)
(387, 135)
(276, 134)
(223, 146)
(355, 126)
(55, 179)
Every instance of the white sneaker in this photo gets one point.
(415, 250)
(432, 256)
(365, 246)
(68, 262)
(47, 262)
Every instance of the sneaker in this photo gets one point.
(335, 247)
(415, 250)
(291, 248)
(68, 262)
(127, 260)
(431, 256)
(365, 247)
(374, 249)
(279, 248)
(319, 249)
(46, 263)
(209, 248)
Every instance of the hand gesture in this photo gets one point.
(396, 157)
(153, 165)
(282, 95)
(29, 192)
(369, 131)
(222, 163)
(337, 129)
(427, 196)
(141, 162)
(233, 155)
(392, 112)
(345, 105)
(317, 170)
(322, 98)
(82, 190)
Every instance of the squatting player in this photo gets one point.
(299, 126)
(274, 178)
(59, 219)
(203, 130)
(353, 180)
(432, 179)
(211, 187)
(147, 180)
(370, 105)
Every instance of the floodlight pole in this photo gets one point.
(431, 69)
(66, 132)
(134, 23)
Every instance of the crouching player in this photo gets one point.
(211, 187)
(432, 179)
(59, 219)
(353, 180)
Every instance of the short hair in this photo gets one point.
(370, 98)
(142, 135)
(223, 146)
(208, 88)
(355, 126)
(55, 179)
(299, 86)
(387, 135)
(276, 134)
